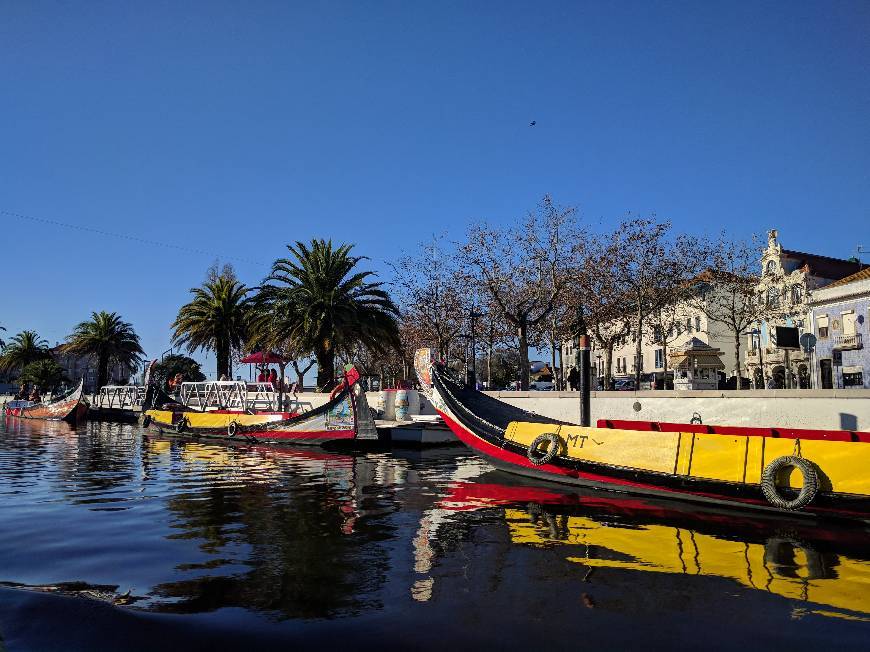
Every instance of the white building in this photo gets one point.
(686, 322)
(788, 279)
(839, 321)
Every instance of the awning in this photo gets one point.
(263, 357)
(853, 370)
(701, 361)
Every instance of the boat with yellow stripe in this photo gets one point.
(345, 416)
(822, 473)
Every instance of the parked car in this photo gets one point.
(624, 385)
(541, 385)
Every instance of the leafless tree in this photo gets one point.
(653, 269)
(522, 270)
(666, 326)
(594, 302)
(728, 292)
(433, 295)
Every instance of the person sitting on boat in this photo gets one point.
(273, 378)
(175, 383)
(34, 395)
(223, 378)
(262, 378)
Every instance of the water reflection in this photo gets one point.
(305, 534)
(826, 567)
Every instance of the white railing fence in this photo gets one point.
(120, 396)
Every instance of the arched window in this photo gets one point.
(771, 267)
(797, 294)
(772, 297)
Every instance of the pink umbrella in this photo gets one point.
(263, 357)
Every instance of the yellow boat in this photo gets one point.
(813, 472)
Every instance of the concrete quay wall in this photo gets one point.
(822, 409)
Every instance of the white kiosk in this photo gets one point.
(696, 366)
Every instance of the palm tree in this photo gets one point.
(108, 339)
(46, 374)
(319, 302)
(21, 350)
(2, 343)
(216, 319)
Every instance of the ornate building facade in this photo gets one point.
(788, 279)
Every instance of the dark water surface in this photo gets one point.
(222, 547)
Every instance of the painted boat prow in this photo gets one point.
(346, 416)
(71, 407)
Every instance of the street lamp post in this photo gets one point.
(471, 375)
(598, 371)
(757, 334)
(582, 361)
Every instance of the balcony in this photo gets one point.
(848, 342)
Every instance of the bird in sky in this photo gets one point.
(532, 123)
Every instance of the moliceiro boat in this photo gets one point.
(815, 472)
(71, 406)
(224, 413)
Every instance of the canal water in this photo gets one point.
(114, 539)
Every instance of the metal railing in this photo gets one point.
(848, 341)
(120, 396)
(229, 395)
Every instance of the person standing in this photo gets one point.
(574, 379)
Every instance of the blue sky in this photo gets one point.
(236, 127)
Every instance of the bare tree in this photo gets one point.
(653, 269)
(728, 295)
(521, 269)
(495, 334)
(666, 324)
(433, 294)
(594, 299)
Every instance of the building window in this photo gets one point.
(849, 321)
(771, 267)
(660, 358)
(657, 333)
(698, 324)
(797, 294)
(822, 325)
(772, 297)
(853, 379)
(688, 324)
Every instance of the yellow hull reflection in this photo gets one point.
(781, 565)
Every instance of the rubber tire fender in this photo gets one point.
(808, 490)
(181, 425)
(232, 429)
(556, 445)
(146, 420)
